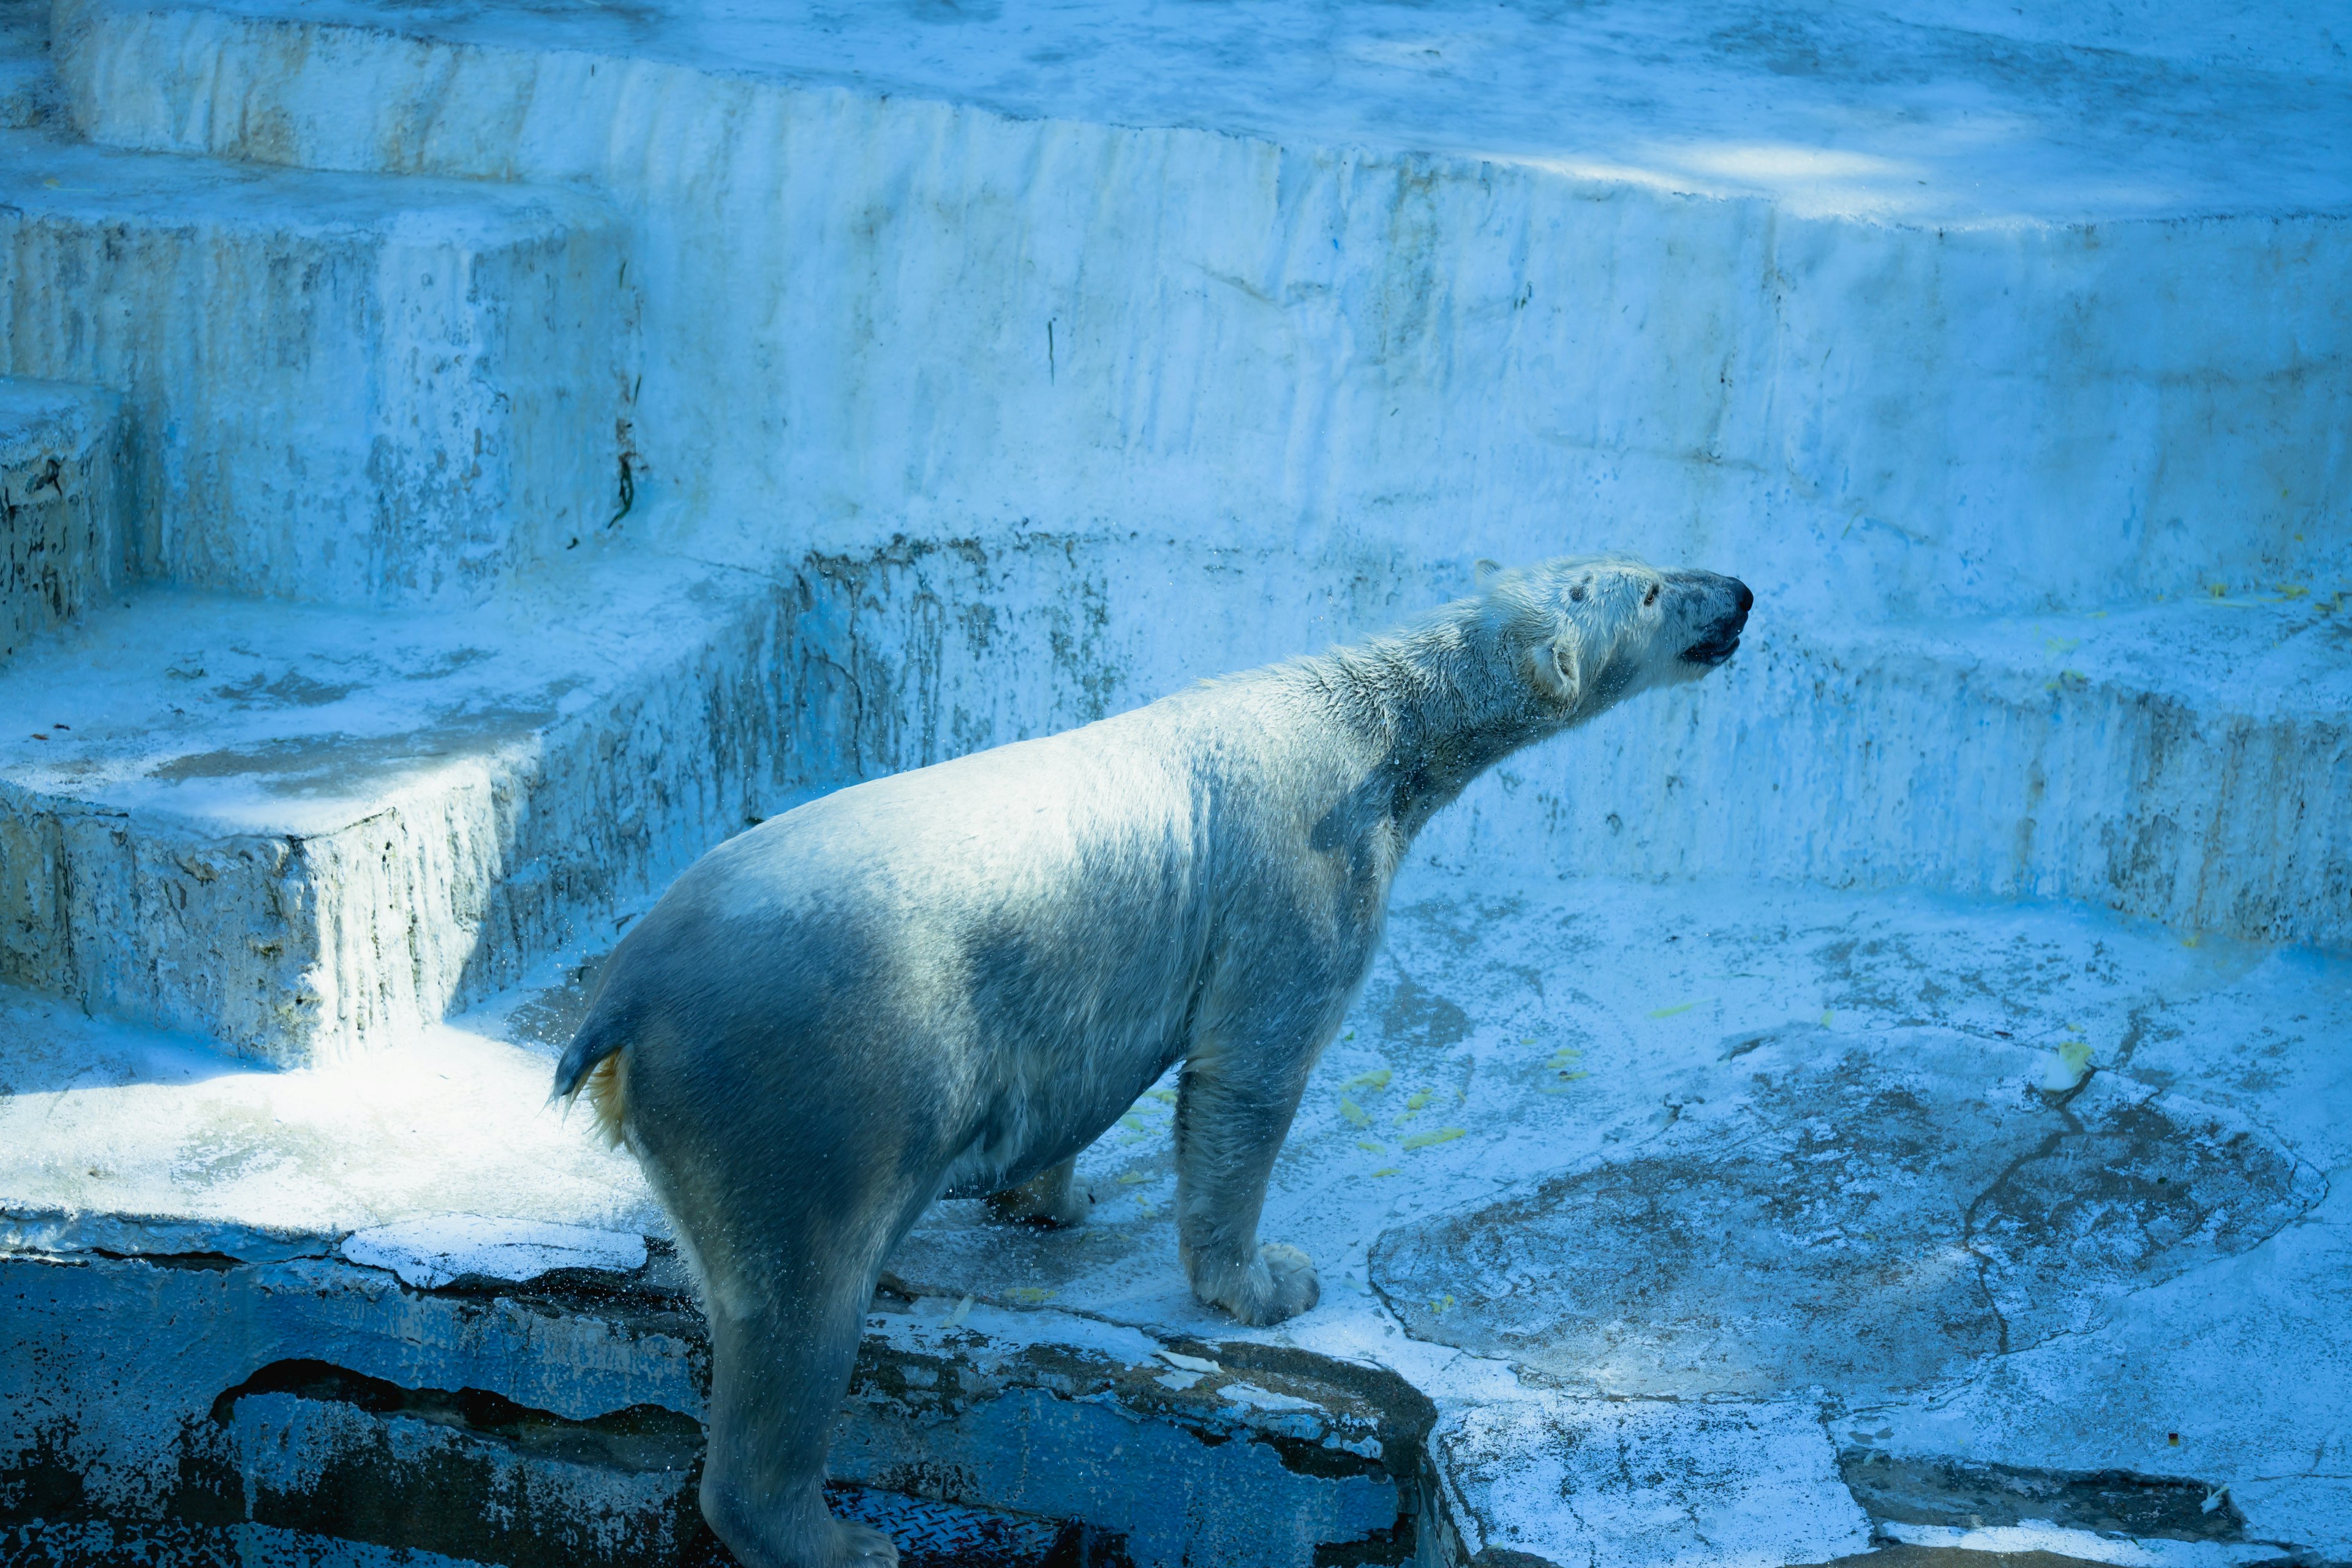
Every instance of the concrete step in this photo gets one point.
(293, 829)
(1752, 283)
(1697, 1225)
(343, 388)
(62, 504)
(30, 93)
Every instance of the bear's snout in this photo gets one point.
(1729, 602)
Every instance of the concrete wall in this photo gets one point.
(869, 314)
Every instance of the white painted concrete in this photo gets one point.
(343, 388)
(885, 294)
(294, 829)
(63, 504)
(435, 1250)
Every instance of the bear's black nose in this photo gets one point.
(1721, 639)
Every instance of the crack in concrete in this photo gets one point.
(2072, 1127)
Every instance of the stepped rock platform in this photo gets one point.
(354, 389)
(1885, 1104)
(288, 828)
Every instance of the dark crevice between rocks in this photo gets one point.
(478, 1476)
(462, 1472)
(1966, 1494)
(640, 1437)
(206, 1262)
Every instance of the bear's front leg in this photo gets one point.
(1233, 1111)
(1052, 1198)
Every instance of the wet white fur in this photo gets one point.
(951, 980)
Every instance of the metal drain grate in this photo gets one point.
(953, 1535)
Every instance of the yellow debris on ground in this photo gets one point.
(2067, 1065)
(1435, 1135)
(1133, 1178)
(1356, 1114)
(1369, 1082)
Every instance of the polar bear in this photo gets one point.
(951, 981)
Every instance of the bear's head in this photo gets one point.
(1591, 630)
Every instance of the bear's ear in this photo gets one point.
(1559, 669)
(1483, 572)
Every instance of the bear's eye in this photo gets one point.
(1652, 596)
(1577, 592)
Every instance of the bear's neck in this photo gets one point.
(1435, 706)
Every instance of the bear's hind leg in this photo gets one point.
(1050, 1198)
(783, 1338)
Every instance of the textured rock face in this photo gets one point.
(310, 1406)
(61, 504)
(341, 388)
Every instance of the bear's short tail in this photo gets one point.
(597, 1059)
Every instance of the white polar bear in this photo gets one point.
(949, 982)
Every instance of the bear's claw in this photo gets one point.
(1281, 1284)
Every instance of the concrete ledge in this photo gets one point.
(343, 388)
(327, 1400)
(295, 830)
(62, 504)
